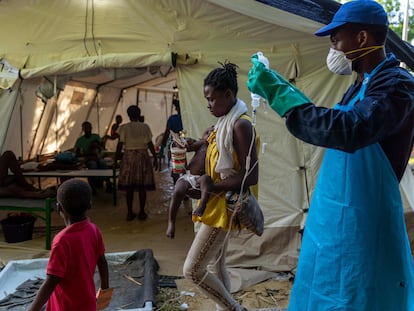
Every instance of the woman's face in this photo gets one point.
(218, 102)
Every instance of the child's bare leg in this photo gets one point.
(180, 191)
(205, 183)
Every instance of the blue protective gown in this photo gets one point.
(355, 254)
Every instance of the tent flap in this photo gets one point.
(130, 60)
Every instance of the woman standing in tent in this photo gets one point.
(355, 253)
(227, 169)
(136, 173)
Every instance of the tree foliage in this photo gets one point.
(395, 11)
(396, 17)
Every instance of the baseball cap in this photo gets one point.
(357, 11)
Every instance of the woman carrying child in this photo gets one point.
(227, 168)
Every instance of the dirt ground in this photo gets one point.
(121, 236)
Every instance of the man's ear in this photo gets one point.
(362, 38)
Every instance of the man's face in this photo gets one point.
(344, 40)
(87, 129)
(347, 40)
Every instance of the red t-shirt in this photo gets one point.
(73, 258)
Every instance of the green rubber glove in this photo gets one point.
(281, 95)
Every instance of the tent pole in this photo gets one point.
(137, 97)
(57, 115)
(166, 111)
(11, 115)
(90, 109)
(48, 123)
(37, 129)
(97, 115)
(21, 122)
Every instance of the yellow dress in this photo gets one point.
(216, 214)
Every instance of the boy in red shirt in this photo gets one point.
(76, 251)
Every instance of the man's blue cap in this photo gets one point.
(357, 11)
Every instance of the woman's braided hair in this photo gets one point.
(223, 78)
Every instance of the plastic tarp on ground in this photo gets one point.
(65, 40)
(133, 276)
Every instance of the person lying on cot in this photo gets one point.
(15, 185)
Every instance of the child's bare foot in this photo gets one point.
(170, 230)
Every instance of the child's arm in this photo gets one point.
(44, 292)
(104, 294)
(103, 272)
(194, 145)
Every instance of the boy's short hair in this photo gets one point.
(86, 123)
(75, 196)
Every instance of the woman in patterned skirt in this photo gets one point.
(136, 170)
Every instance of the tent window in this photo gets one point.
(77, 98)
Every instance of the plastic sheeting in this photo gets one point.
(126, 271)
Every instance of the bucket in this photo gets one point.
(178, 160)
(18, 227)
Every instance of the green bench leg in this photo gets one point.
(48, 208)
(114, 186)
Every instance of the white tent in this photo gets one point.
(104, 55)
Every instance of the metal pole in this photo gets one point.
(405, 21)
(21, 123)
(57, 114)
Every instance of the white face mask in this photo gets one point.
(338, 63)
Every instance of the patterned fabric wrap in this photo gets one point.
(178, 160)
(136, 171)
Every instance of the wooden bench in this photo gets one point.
(41, 208)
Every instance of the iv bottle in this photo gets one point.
(255, 97)
(263, 59)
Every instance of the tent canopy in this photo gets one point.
(91, 59)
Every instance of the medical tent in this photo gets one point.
(66, 61)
